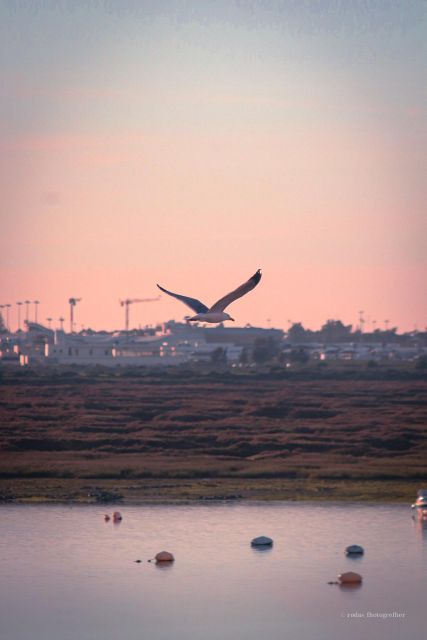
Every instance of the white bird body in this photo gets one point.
(215, 313)
(213, 317)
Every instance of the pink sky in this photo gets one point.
(182, 167)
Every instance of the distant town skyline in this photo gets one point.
(190, 144)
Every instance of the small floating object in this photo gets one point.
(354, 550)
(262, 541)
(138, 561)
(117, 516)
(106, 517)
(164, 556)
(421, 501)
(350, 578)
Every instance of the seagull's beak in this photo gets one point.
(231, 319)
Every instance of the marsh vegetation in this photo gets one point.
(82, 434)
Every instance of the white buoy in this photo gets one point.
(117, 516)
(354, 550)
(164, 556)
(262, 541)
(350, 578)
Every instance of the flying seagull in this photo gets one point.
(216, 312)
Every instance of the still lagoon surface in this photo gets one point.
(66, 574)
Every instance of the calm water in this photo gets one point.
(65, 574)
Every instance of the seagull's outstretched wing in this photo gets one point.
(194, 304)
(237, 293)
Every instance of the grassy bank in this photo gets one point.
(20, 490)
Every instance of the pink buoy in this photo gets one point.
(164, 556)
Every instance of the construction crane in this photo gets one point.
(129, 301)
(72, 302)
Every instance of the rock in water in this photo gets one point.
(262, 541)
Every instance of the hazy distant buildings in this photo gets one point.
(242, 336)
(175, 343)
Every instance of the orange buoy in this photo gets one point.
(350, 577)
(164, 556)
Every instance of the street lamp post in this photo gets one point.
(19, 304)
(36, 304)
(27, 306)
(7, 315)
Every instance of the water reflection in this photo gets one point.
(351, 586)
(420, 521)
(354, 557)
(65, 575)
(264, 549)
(164, 566)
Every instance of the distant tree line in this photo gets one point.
(334, 331)
(271, 350)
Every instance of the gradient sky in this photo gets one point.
(190, 143)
